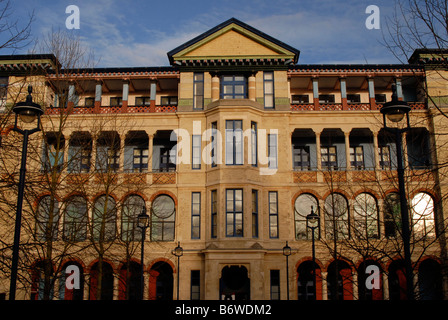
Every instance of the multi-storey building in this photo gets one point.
(229, 149)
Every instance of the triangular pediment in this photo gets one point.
(233, 40)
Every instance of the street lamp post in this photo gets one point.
(27, 111)
(395, 111)
(287, 253)
(312, 222)
(142, 223)
(178, 252)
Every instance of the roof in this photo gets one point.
(228, 23)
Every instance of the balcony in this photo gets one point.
(348, 106)
(114, 109)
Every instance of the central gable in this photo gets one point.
(230, 41)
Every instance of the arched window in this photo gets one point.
(132, 207)
(397, 280)
(75, 292)
(162, 218)
(392, 215)
(104, 217)
(302, 208)
(366, 216)
(422, 205)
(75, 219)
(47, 219)
(336, 216)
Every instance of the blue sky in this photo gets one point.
(140, 33)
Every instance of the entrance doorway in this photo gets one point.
(234, 283)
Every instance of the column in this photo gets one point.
(371, 84)
(121, 159)
(152, 95)
(399, 88)
(215, 86)
(125, 96)
(324, 285)
(316, 92)
(98, 93)
(347, 150)
(375, 151)
(71, 99)
(251, 89)
(318, 152)
(385, 286)
(355, 286)
(343, 92)
(150, 151)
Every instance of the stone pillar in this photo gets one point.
(399, 88)
(318, 152)
(348, 165)
(215, 87)
(343, 93)
(315, 92)
(252, 88)
(372, 101)
(376, 154)
(125, 96)
(152, 95)
(98, 94)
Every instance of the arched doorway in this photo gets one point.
(234, 283)
(339, 279)
(103, 289)
(305, 281)
(130, 281)
(430, 280)
(161, 281)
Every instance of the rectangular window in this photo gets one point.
(329, 158)
(353, 98)
(195, 283)
(195, 215)
(234, 213)
(234, 142)
(196, 152)
(380, 98)
(3, 92)
(254, 142)
(326, 98)
(254, 213)
(214, 213)
(272, 151)
(115, 101)
(357, 158)
(165, 164)
(384, 155)
(273, 214)
(142, 101)
(300, 98)
(301, 157)
(198, 91)
(79, 159)
(268, 85)
(107, 159)
(233, 87)
(214, 150)
(168, 101)
(89, 102)
(275, 284)
(140, 160)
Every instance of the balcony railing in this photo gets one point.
(348, 106)
(114, 109)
